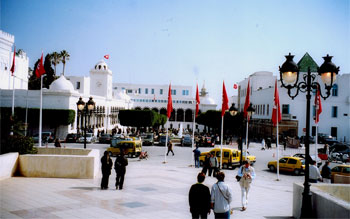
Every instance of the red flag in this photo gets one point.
(13, 62)
(235, 86)
(106, 56)
(318, 105)
(197, 101)
(40, 68)
(170, 103)
(224, 106)
(276, 107)
(247, 100)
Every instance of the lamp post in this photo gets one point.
(84, 110)
(233, 111)
(289, 74)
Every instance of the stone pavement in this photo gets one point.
(151, 190)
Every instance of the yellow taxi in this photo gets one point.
(131, 147)
(343, 170)
(289, 164)
(229, 160)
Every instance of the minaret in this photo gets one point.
(101, 80)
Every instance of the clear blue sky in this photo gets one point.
(181, 41)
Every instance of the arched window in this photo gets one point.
(180, 115)
(163, 111)
(335, 90)
(188, 115)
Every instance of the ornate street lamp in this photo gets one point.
(289, 74)
(84, 110)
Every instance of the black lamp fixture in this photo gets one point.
(289, 74)
(85, 110)
(233, 110)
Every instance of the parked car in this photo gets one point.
(311, 139)
(72, 137)
(205, 142)
(147, 139)
(230, 159)
(45, 136)
(338, 147)
(318, 160)
(295, 165)
(186, 141)
(130, 147)
(162, 140)
(90, 138)
(343, 170)
(105, 138)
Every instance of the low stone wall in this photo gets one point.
(61, 163)
(328, 200)
(8, 165)
(339, 179)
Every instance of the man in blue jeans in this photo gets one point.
(197, 154)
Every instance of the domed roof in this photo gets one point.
(101, 65)
(123, 96)
(62, 84)
(207, 100)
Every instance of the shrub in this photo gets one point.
(20, 144)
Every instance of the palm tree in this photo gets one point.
(65, 57)
(56, 59)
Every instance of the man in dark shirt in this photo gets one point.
(199, 198)
(120, 168)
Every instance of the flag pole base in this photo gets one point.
(278, 180)
(164, 162)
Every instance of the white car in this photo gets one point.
(90, 138)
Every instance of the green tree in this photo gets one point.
(49, 76)
(55, 59)
(138, 118)
(65, 57)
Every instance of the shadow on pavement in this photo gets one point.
(278, 217)
(86, 188)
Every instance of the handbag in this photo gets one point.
(238, 178)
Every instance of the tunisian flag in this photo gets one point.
(170, 103)
(276, 107)
(197, 101)
(106, 56)
(40, 68)
(247, 100)
(318, 105)
(224, 106)
(13, 62)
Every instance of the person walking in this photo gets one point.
(206, 164)
(221, 197)
(213, 164)
(196, 153)
(170, 148)
(263, 144)
(247, 174)
(326, 173)
(239, 143)
(314, 173)
(57, 143)
(120, 168)
(106, 166)
(199, 198)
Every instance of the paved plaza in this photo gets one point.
(151, 190)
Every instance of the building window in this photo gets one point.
(173, 92)
(267, 109)
(334, 111)
(285, 108)
(139, 90)
(161, 91)
(335, 90)
(313, 111)
(334, 132)
(129, 91)
(152, 91)
(78, 85)
(146, 90)
(313, 131)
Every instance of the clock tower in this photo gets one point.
(101, 80)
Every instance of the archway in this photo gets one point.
(188, 115)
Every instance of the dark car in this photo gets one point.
(147, 139)
(337, 147)
(205, 142)
(303, 138)
(330, 141)
(162, 140)
(186, 141)
(45, 136)
(72, 138)
(105, 138)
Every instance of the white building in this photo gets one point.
(334, 119)
(155, 97)
(6, 59)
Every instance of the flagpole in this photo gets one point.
(41, 106)
(194, 123)
(316, 142)
(13, 101)
(166, 141)
(222, 133)
(246, 142)
(277, 146)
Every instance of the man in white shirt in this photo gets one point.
(314, 173)
(221, 197)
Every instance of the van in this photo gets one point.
(131, 147)
(230, 159)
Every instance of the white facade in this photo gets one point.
(155, 97)
(6, 59)
(333, 123)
